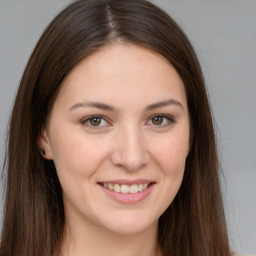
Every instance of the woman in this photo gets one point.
(111, 142)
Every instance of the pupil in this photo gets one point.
(95, 121)
(157, 120)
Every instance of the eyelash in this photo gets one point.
(169, 118)
(86, 120)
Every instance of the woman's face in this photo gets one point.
(118, 134)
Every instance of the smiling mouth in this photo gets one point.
(126, 189)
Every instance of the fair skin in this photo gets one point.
(121, 120)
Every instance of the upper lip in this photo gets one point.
(127, 182)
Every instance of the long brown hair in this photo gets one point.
(34, 218)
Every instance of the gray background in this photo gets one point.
(224, 36)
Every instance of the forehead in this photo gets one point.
(111, 59)
(119, 71)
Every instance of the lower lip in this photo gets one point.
(128, 198)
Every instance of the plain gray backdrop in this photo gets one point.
(223, 33)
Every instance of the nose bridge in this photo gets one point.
(131, 150)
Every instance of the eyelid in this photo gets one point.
(170, 119)
(87, 118)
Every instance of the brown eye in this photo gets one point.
(95, 121)
(157, 120)
(161, 120)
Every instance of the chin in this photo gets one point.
(131, 225)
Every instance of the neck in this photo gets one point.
(96, 241)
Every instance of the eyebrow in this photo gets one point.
(164, 104)
(106, 107)
(98, 105)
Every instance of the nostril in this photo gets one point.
(130, 151)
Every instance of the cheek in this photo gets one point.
(76, 154)
(170, 157)
(171, 154)
(76, 161)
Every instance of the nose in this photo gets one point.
(130, 150)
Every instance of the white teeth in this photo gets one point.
(126, 189)
(140, 187)
(117, 188)
(134, 189)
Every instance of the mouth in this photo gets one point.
(126, 188)
(127, 192)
